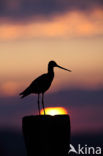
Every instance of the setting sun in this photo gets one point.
(54, 111)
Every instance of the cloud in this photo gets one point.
(9, 88)
(82, 98)
(70, 24)
(19, 10)
(85, 108)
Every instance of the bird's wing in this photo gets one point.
(42, 83)
(30, 89)
(38, 84)
(26, 92)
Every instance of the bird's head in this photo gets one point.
(54, 64)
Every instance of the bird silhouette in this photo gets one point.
(42, 84)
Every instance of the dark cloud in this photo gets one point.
(76, 98)
(70, 98)
(24, 9)
(12, 109)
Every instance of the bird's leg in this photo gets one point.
(38, 104)
(43, 102)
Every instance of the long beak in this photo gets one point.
(63, 68)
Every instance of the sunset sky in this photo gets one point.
(33, 32)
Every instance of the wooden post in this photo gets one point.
(46, 135)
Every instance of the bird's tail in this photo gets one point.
(22, 95)
(25, 93)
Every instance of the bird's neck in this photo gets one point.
(51, 70)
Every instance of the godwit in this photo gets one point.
(42, 84)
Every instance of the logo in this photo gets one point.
(72, 149)
(85, 150)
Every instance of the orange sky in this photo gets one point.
(74, 40)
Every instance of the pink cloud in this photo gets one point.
(68, 25)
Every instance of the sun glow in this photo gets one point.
(54, 111)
